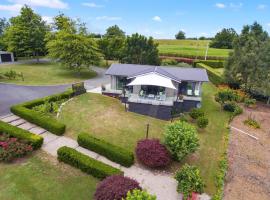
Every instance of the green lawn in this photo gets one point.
(45, 74)
(105, 118)
(41, 177)
(189, 48)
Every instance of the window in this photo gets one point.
(121, 81)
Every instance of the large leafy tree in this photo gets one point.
(244, 62)
(3, 26)
(26, 33)
(73, 50)
(224, 39)
(180, 35)
(139, 49)
(112, 43)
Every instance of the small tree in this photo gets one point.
(181, 138)
(73, 50)
(180, 35)
(189, 180)
(224, 39)
(139, 49)
(139, 195)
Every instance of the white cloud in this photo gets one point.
(47, 19)
(107, 18)
(92, 5)
(220, 5)
(236, 6)
(42, 3)
(11, 8)
(261, 6)
(157, 18)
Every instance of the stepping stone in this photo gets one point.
(5, 116)
(17, 122)
(54, 145)
(108, 162)
(10, 118)
(87, 152)
(48, 137)
(27, 126)
(37, 130)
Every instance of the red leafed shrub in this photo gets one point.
(11, 148)
(152, 154)
(115, 188)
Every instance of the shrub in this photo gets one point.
(252, 123)
(115, 188)
(11, 148)
(230, 106)
(227, 95)
(85, 163)
(181, 138)
(34, 140)
(152, 154)
(112, 152)
(139, 195)
(189, 180)
(237, 111)
(202, 122)
(167, 62)
(249, 102)
(196, 113)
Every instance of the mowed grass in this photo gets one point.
(105, 117)
(45, 74)
(189, 48)
(41, 177)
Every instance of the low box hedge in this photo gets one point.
(110, 151)
(25, 111)
(34, 140)
(211, 63)
(85, 163)
(214, 77)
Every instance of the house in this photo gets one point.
(6, 57)
(156, 91)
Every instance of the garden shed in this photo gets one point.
(6, 56)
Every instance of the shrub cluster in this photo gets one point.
(233, 107)
(85, 163)
(189, 180)
(195, 113)
(25, 111)
(34, 140)
(249, 102)
(167, 62)
(181, 138)
(115, 188)
(11, 148)
(112, 152)
(139, 195)
(252, 123)
(202, 122)
(227, 95)
(152, 154)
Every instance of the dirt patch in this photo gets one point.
(248, 176)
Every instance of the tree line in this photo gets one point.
(69, 42)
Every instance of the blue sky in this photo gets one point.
(157, 18)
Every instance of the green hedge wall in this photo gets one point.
(192, 56)
(34, 140)
(214, 77)
(112, 152)
(211, 63)
(85, 163)
(24, 111)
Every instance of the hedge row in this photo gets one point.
(211, 63)
(193, 56)
(34, 140)
(85, 163)
(214, 77)
(24, 111)
(112, 152)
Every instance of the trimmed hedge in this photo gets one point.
(24, 111)
(110, 151)
(85, 163)
(34, 140)
(214, 77)
(192, 56)
(211, 63)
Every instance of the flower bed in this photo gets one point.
(11, 148)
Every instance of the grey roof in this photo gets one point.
(175, 73)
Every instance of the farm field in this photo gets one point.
(189, 48)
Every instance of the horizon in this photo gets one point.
(159, 19)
